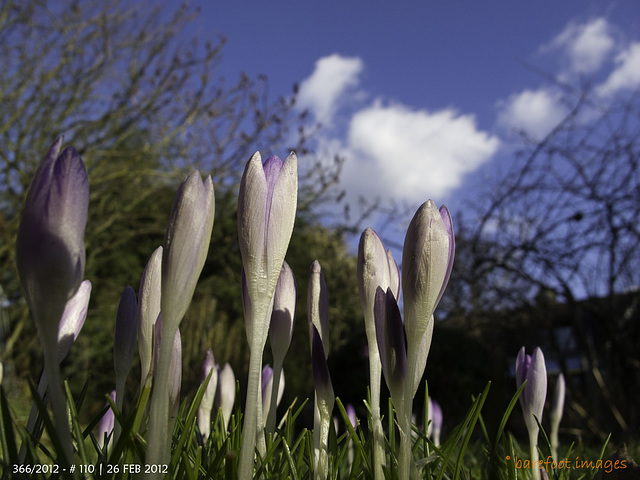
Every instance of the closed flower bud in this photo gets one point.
(427, 258)
(283, 315)
(73, 317)
(186, 245)
(148, 310)
(50, 244)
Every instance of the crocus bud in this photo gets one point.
(206, 404)
(73, 317)
(148, 310)
(267, 388)
(318, 306)
(267, 205)
(351, 413)
(174, 378)
(283, 315)
(557, 407)
(186, 245)
(533, 370)
(391, 343)
(50, 244)
(125, 336)
(427, 260)
(106, 423)
(435, 417)
(226, 393)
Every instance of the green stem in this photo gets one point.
(58, 402)
(375, 370)
(250, 426)
(533, 443)
(117, 428)
(159, 436)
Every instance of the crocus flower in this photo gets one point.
(206, 404)
(376, 269)
(50, 244)
(427, 255)
(186, 244)
(50, 258)
(318, 306)
(226, 393)
(557, 407)
(435, 421)
(148, 311)
(533, 370)
(267, 205)
(106, 424)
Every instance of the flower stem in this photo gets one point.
(159, 436)
(58, 402)
(250, 426)
(533, 443)
(375, 369)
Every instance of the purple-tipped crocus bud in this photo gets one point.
(318, 306)
(186, 245)
(391, 343)
(533, 370)
(73, 317)
(267, 388)
(435, 425)
(427, 260)
(125, 336)
(209, 395)
(267, 205)
(283, 315)
(351, 413)
(50, 245)
(106, 424)
(148, 310)
(226, 393)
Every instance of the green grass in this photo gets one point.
(469, 451)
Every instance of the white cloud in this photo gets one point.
(333, 76)
(626, 74)
(535, 112)
(586, 45)
(412, 155)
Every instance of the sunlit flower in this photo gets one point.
(148, 310)
(435, 418)
(50, 244)
(318, 305)
(267, 203)
(106, 424)
(226, 393)
(427, 260)
(206, 404)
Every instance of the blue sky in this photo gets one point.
(423, 97)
